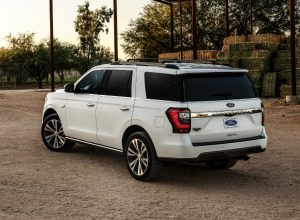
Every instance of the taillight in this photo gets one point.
(262, 115)
(180, 119)
(263, 118)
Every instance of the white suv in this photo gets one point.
(159, 112)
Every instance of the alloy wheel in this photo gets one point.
(137, 157)
(54, 134)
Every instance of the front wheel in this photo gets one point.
(141, 158)
(53, 134)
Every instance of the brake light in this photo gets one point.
(180, 119)
(262, 115)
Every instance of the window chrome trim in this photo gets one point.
(226, 113)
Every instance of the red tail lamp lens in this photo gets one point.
(180, 119)
(262, 115)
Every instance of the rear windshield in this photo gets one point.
(217, 86)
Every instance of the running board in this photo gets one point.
(93, 144)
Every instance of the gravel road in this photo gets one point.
(89, 183)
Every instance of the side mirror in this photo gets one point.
(69, 87)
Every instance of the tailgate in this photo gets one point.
(220, 121)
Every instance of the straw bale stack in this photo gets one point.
(269, 85)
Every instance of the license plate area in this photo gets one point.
(230, 122)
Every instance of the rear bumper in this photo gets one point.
(179, 147)
(229, 154)
(229, 141)
(235, 154)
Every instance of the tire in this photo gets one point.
(53, 135)
(222, 165)
(141, 158)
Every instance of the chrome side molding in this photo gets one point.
(226, 113)
(93, 144)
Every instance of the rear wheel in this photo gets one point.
(53, 135)
(222, 165)
(141, 158)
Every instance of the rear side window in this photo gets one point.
(119, 83)
(211, 87)
(162, 86)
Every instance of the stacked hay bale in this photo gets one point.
(255, 54)
(169, 56)
(267, 57)
(282, 64)
(203, 55)
(285, 82)
(232, 40)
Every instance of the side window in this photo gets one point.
(91, 83)
(119, 83)
(162, 86)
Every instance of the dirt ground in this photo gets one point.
(89, 183)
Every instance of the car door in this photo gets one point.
(81, 107)
(115, 107)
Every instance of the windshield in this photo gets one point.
(217, 86)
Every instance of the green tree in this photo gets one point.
(64, 58)
(5, 58)
(37, 65)
(89, 24)
(269, 16)
(103, 55)
(25, 58)
(149, 34)
(19, 50)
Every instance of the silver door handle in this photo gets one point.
(124, 108)
(90, 105)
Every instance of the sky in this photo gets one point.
(27, 16)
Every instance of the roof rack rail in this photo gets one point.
(165, 60)
(213, 62)
(172, 66)
(166, 63)
(143, 60)
(180, 61)
(139, 63)
(225, 64)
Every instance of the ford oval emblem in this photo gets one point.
(230, 105)
(231, 123)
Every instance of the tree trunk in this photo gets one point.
(62, 77)
(40, 83)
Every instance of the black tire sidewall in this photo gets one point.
(152, 163)
(67, 144)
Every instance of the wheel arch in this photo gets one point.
(48, 112)
(130, 130)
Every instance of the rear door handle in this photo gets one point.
(90, 105)
(124, 108)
